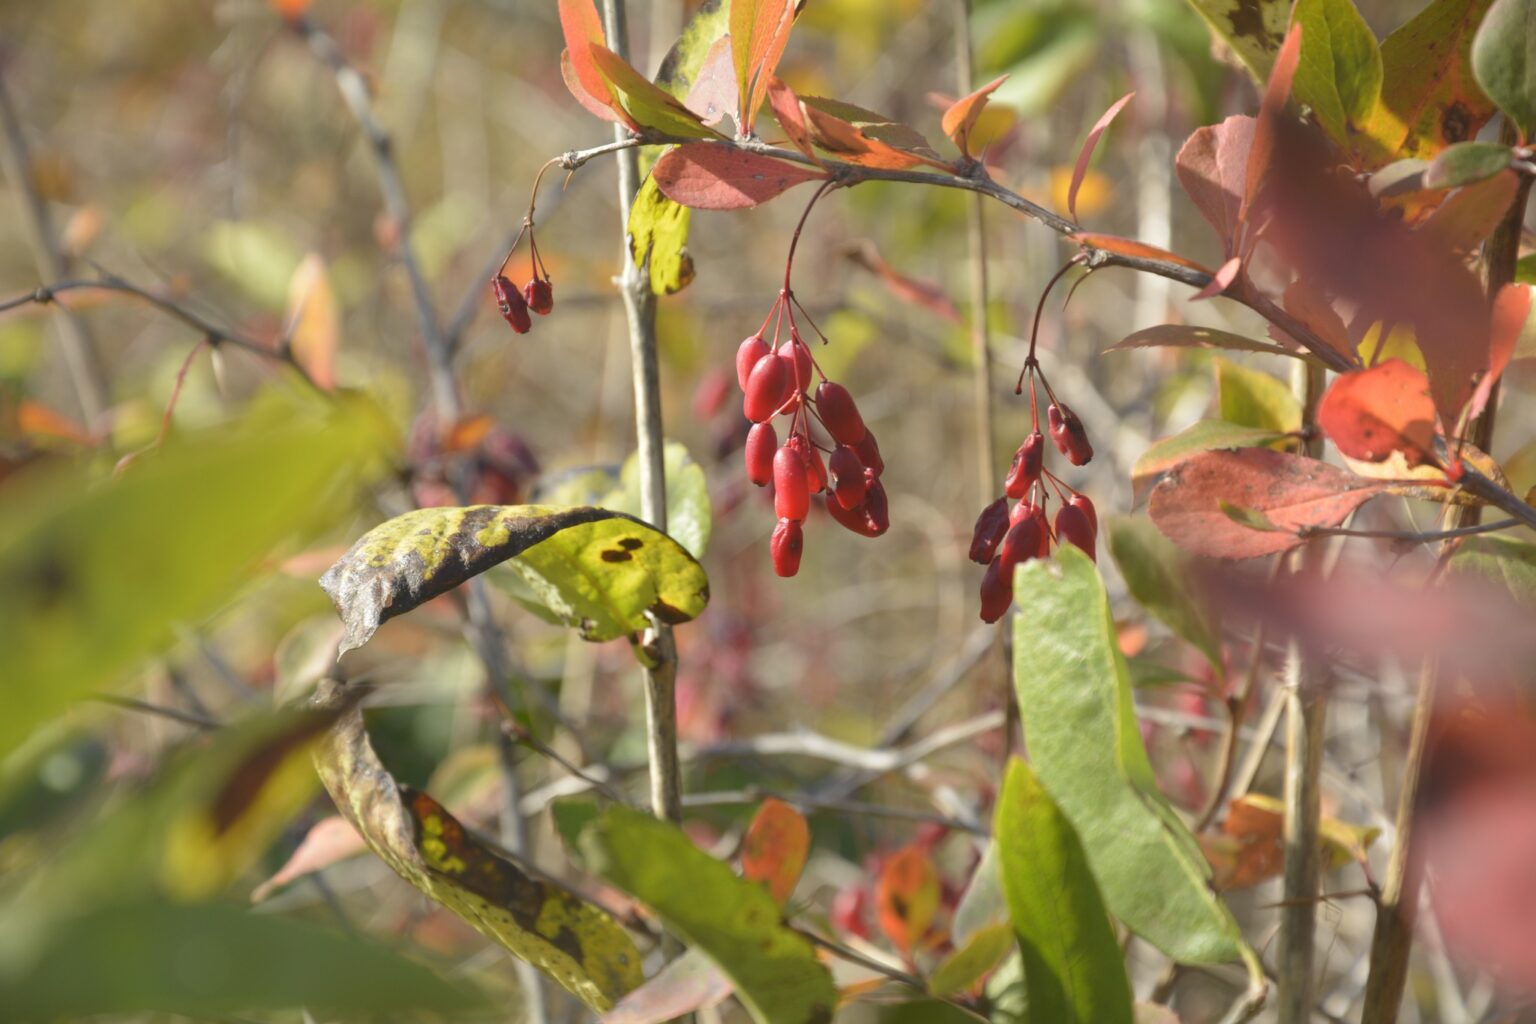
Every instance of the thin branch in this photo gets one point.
(1410, 536)
(756, 794)
(893, 973)
(144, 707)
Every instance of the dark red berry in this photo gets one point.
(1027, 463)
(791, 497)
(1020, 543)
(540, 295)
(990, 527)
(747, 355)
(1072, 527)
(1021, 510)
(798, 359)
(767, 387)
(514, 308)
(762, 442)
(877, 509)
(1081, 501)
(996, 590)
(787, 545)
(855, 519)
(1069, 435)
(847, 473)
(839, 414)
(869, 454)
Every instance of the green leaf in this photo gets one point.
(1252, 398)
(1466, 163)
(1073, 969)
(211, 960)
(1525, 269)
(1254, 29)
(1076, 706)
(971, 961)
(1339, 73)
(735, 922)
(1252, 518)
(1189, 336)
(1158, 576)
(1504, 60)
(574, 942)
(1507, 563)
(658, 233)
(599, 571)
(101, 570)
(1204, 436)
(646, 103)
(688, 510)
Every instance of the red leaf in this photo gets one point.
(1221, 280)
(1290, 491)
(907, 896)
(1276, 93)
(1212, 166)
(714, 95)
(1369, 414)
(1089, 145)
(908, 289)
(712, 177)
(689, 983)
(1511, 310)
(1465, 220)
(961, 116)
(582, 27)
(775, 847)
(791, 117)
(1131, 247)
(328, 841)
(759, 33)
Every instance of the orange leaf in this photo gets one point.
(314, 325)
(582, 26)
(710, 177)
(907, 896)
(1131, 247)
(1369, 414)
(791, 118)
(759, 33)
(34, 419)
(1089, 145)
(961, 116)
(1511, 311)
(775, 848)
(1221, 280)
(864, 137)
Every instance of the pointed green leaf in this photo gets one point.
(680, 68)
(972, 960)
(1504, 60)
(1204, 436)
(1084, 742)
(597, 570)
(777, 974)
(1466, 163)
(1253, 398)
(1508, 563)
(1254, 29)
(658, 239)
(1158, 576)
(1339, 74)
(1073, 970)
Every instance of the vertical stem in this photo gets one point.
(640, 311)
(1392, 940)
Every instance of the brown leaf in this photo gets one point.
(1292, 492)
(1369, 414)
(711, 177)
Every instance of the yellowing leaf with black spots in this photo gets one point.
(777, 974)
(574, 942)
(597, 570)
(1254, 29)
(658, 239)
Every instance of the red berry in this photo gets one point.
(815, 469)
(840, 414)
(797, 358)
(791, 497)
(1020, 543)
(1072, 527)
(1081, 501)
(1021, 510)
(787, 544)
(747, 355)
(762, 442)
(1027, 463)
(990, 527)
(540, 295)
(877, 508)
(869, 454)
(996, 590)
(767, 387)
(848, 483)
(514, 308)
(869, 518)
(1070, 437)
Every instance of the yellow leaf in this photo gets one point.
(314, 324)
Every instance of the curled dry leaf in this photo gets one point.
(960, 117)
(709, 177)
(1289, 491)
(576, 943)
(1370, 414)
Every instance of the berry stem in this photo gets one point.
(794, 240)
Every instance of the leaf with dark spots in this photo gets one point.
(565, 555)
(1369, 414)
(708, 177)
(1252, 28)
(1291, 492)
(775, 847)
(573, 941)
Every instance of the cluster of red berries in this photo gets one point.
(775, 380)
(537, 295)
(1004, 537)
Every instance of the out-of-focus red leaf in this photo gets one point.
(1276, 93)
(582, 27)
(960, 117)
(1250, 848)
(293, 10)
(710, 177)
(1369, 414)
(791, 118)
(1307, 303)
(907, 896)
(908, 289)
(1511, 311)
(1089, 145)
(1465, 220)
(1221, 280)
(1131, 247)
(328, 841)
(713, 95)
(689, 983)
(775, 847)
(1292, 492)
(1212, 166)
(36, 420)
(759, 33)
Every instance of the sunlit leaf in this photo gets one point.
(907, 896)
(582, 27)
(1157, 574)
(972, 960)
(685, 62)
(1134, 249)
(708, 177)
(573, 941)
(1250, 847)
(647, 105)
(1339, 73)
(791, 116)
(775, 847)
(658, 239)
(1090, 143)
(1212, 165)
(961, 116)
(864, 137)
(689, 519)
(1085, 745)
(1369, 414)
(1504, 60)
(1073, 970)
(314, 325)
(1254, 29)
(759, 33)
(1252, 398)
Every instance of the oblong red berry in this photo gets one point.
(1069, 435)
(540, 295)
(798, 360)
(762, 442)
(869, 454)
(1022, 509)
(514, 308)
(989, 530)
(791, 498)
(1026, 466)
(1081, 501)
(767, 387)
(1020, 543)
(855, 519)
(747, 355)
(786, 546)
(877, 509)
(847, 475)
(839, 413)
(1072, 527)
(996, 590)
(815, 469)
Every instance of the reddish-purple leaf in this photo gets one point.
(1221, 280)
(713, 95)
(1369, 414)
(1212, 166)
(1511, 310)
(1291, 492)
(710, 177)
(1089, 145)
(1276, 93)
(960, 117)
